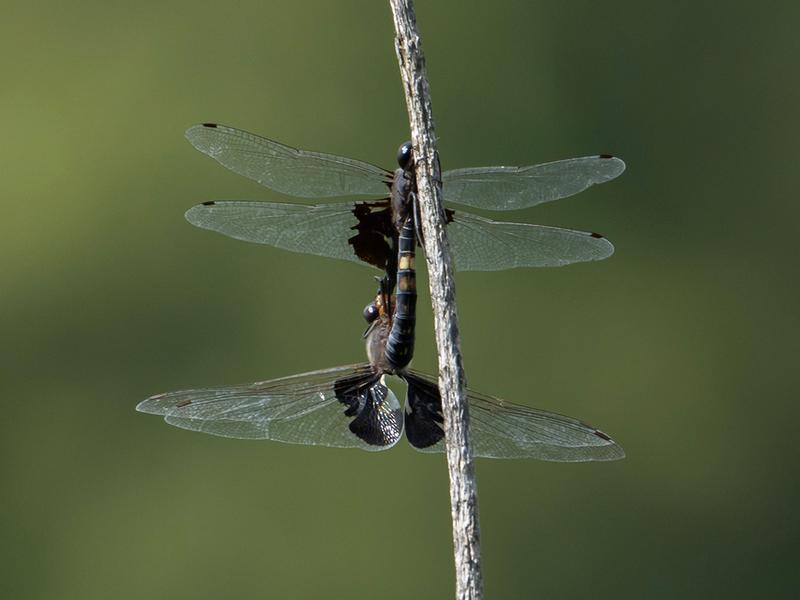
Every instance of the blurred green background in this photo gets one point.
(682, 345)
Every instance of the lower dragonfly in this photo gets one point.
(351, 406)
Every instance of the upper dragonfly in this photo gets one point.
(361, 231)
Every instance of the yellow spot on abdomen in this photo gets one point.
(406, 262)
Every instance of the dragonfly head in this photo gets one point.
(371, 312)
(380, 309)
(371, 324)
(404, 154)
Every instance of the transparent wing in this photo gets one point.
(505, 430)
(334, 230)
(345, 407)
(500, 429)
(512, 188)
(322, 230)
(288, 170)
(484, 245)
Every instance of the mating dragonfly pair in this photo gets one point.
(351, 406)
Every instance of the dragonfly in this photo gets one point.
(352, 406)
(362, 230)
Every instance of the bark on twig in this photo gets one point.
(463, 490)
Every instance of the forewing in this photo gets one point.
(323, 230)
(481, 244)
(513, 188)
(500, 429)
(345, 407)
(285, 169)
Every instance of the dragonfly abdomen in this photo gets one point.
(400, 345)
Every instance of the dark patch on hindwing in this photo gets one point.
(375, 232)
(375, 229)
(424, 419)
(374, 420)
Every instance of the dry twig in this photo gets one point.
(463, 490)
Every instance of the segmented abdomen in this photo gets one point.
(400, 345)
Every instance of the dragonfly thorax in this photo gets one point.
(376, 344)
(401, 196)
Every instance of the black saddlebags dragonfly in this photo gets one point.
(360, 230)
(352, 407)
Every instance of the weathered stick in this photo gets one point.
(463, 490)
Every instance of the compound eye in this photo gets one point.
(370, 312)
(404, 155)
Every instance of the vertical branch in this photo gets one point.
(463, 490)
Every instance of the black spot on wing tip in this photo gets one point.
(606, 156)
(597, 235)
(210, 125)
(183, 403)
(602, 435)
(209, 203)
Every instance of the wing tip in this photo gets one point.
(196, 129)
(195, 213)
(617, 161)
(145, 406)
(604, 244)
(154, 405)
(611, 249)
(616, 452)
